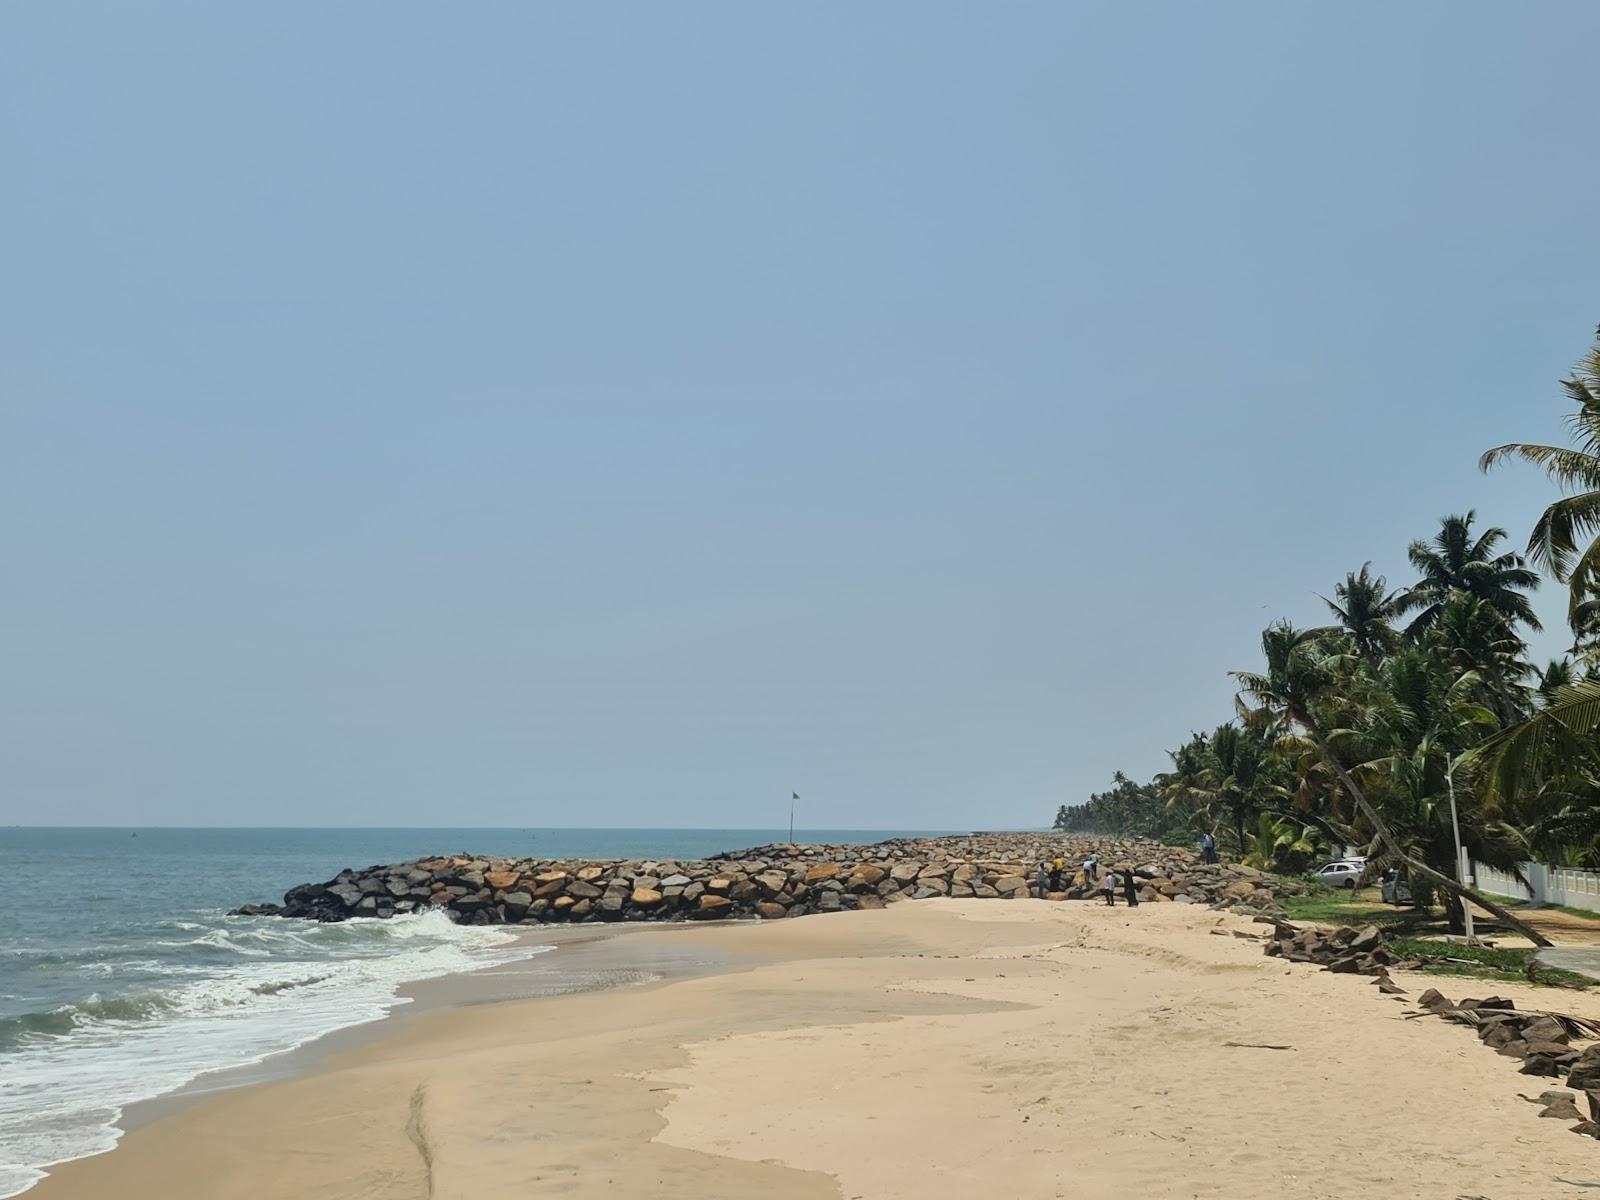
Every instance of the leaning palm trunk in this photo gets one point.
(1386, 836)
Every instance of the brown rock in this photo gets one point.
(1560, 1105)
(1498, 1035)
(1367, 939)
(501, 880)
(1585, 1073)
(1545, 1029)
(820, 872)
(646, 897)
(1546, 1058)
(767, 910)
(712, 906)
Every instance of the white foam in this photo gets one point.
(62, 1097)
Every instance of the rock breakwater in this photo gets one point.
(773, 881)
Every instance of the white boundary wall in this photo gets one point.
(1546, 885)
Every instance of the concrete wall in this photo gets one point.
(1545, 885)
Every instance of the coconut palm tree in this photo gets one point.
(1419, 716)
(1456, 562)
(1299, 671)
(1473, 638)
(1280, 846)
(1563, 731)
(1548, 769)
(1367, 611)
(1566, 538)
(1559, 674)
(1191, 785)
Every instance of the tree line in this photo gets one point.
(1357, 732)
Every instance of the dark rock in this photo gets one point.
(1545, 1029)
(1585, 1073)
(1560, 1105)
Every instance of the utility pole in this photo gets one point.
(1463, 870)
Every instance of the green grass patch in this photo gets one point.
(1331, 907)
(1482, 962)
(1513, 961)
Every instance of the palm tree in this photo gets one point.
(1566, 538)
(1559, 674)
(1473, 638)
(1367, 611)
(1242, 770)
(1456, 562)
(1191, 784)
(1420, 715)
(1279, 846)
(1298, 672)
(1548, 768)
(1562, 732)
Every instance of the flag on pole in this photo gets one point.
(796, 795)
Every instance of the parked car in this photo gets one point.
(1395, 890)
(1341, 874)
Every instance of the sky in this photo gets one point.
(629, 414)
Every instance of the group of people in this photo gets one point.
(1051, 876)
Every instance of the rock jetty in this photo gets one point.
(771, 882)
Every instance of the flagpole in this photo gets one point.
(793, 796)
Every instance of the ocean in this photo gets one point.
(121, 979)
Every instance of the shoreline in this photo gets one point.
(1025, 1048)
(588, 962)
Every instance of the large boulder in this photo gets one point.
(712, 906)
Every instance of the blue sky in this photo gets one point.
(626, 414)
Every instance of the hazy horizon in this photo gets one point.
(642, 413)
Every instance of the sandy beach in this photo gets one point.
(942, 1048)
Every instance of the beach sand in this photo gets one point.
(930, 1050)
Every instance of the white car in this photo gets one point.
(1341, 874)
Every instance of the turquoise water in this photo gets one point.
(121, 978)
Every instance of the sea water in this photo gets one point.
(122, 979)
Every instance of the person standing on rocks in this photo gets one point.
(1055, 874)
(1041, 879)
(1208, 847)
(1109, 886)
(1130, 891)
